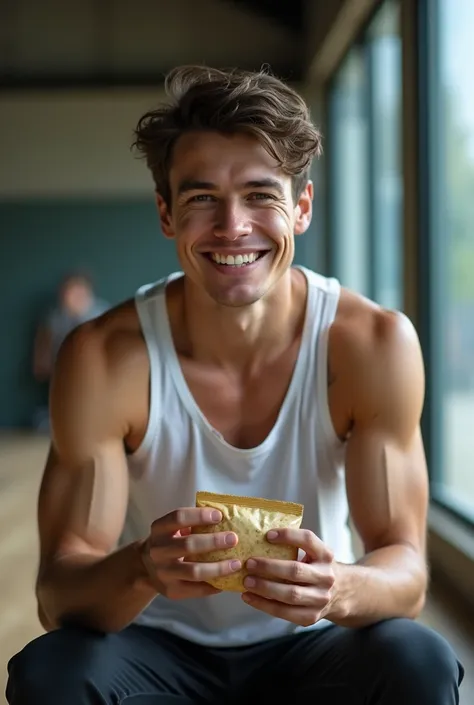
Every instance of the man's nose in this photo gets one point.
(232, 221)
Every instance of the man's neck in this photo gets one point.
(242, 338)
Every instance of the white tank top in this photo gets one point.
(301, 460)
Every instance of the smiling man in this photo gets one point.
(242, 374)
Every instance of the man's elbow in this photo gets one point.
(45, 604)
(417, 607)
(44, 620)
(419, 595)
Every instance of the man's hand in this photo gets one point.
(299, 591)
(167, 553)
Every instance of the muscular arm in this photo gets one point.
(386, 479)
(83, 498)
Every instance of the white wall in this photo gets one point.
(63, 144)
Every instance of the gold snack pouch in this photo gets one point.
(251, 518)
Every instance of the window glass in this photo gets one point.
(452, 241)
(348, 185)
(384, 46)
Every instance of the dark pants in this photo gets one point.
(397, 662)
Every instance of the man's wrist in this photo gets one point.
(143, 575)
(339, 606)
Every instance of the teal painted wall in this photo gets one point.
(119, 243)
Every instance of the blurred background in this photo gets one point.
(389, 82)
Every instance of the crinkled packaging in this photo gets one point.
(251, 518)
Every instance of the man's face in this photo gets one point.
(232, 216)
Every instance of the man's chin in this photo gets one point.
(237, 297)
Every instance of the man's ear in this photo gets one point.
(304, 210)
(165, 217)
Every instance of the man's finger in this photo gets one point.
(201, 572)
(320, 575)
(183, 590)
(276, 569)
(302, 538)
(304, 616)
(185, 517)
(192, 544)
(288, 594)
(184, 532)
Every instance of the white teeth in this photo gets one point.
(234, 261)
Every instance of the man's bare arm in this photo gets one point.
(84, 496)
(386, 478)
(83, 499)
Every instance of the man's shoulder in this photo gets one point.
(101, 375)
(374, 356)
(364, 328)
(108, 341)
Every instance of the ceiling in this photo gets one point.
(67, 43)
(289, 14)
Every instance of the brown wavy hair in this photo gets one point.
(233, 101)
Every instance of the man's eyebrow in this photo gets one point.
(192, 185)
(265, 183)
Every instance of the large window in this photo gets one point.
(365, 180)
(349, 168)
(447, 28)
(365, 206)
(385, 62)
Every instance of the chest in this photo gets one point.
(242, 408)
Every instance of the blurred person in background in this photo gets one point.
(76, 304)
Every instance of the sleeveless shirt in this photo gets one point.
(301, 460)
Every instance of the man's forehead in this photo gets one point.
(212, 150)
(211, 161)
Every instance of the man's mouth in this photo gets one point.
(242, 260)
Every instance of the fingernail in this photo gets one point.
(250, 582)
(230, 539)
(272, 535)
(216, 515)
(235, 565)
(251, 564)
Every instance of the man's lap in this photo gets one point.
(135, 662)
(331, 664)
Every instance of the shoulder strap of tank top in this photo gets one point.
(332, 502)
(323, 298)
(151, 309)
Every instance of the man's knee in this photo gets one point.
(404, 649)
(53, 666)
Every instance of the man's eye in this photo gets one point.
(201, 197)
(259, 196)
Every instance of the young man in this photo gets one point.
(247, 376)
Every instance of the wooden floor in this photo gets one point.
(21, 463)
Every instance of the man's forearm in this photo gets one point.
(105, 594)
(390, 582)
